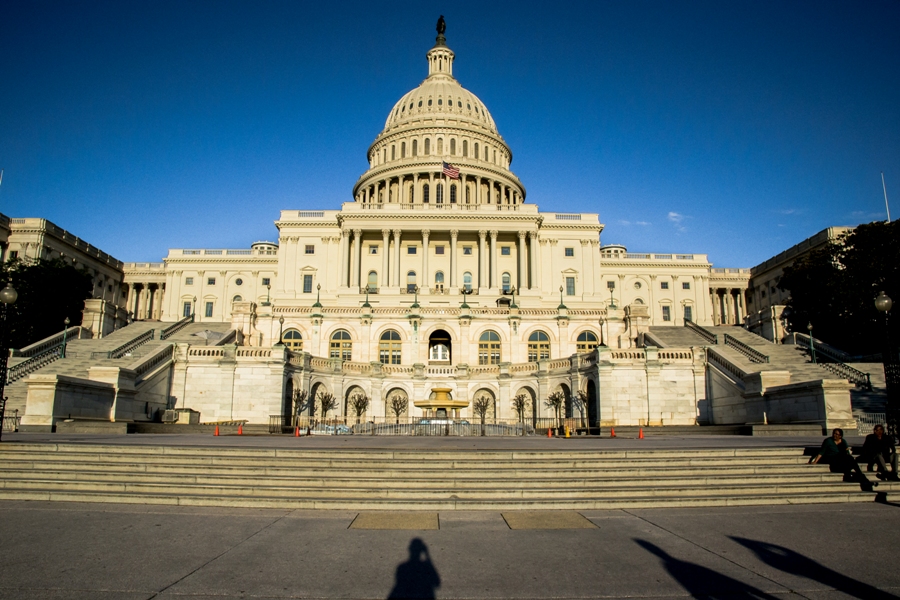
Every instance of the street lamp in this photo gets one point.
(268, 289)
(8, 296)
(280, 330)
(891, 368)
(62, 353)
(194, 310)
(812, 348)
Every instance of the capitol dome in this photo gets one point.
(436, 123)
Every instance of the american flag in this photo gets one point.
(451, 171)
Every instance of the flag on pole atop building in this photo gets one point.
(451, 171)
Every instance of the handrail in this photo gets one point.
(53, 341)
(707, 335)
(833, 363)
(821, 349)
(147, 364)
(752, 353)
(126, 347)
(229, 337)
(724, 364)
(175, 327)
(16, 372)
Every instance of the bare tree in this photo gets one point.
(519, 403)
(556, 401)
(581, 401)
(481, 406)
(399, 405)
(359, 403)
(302, 401)
(327, 402)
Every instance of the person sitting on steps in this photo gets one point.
(879, 448)
(836, 454)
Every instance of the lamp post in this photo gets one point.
(194, 309)
(268, 289)
(8, 296)
(612, 299)
(62, 353)
(513, 292)
(280, 330)
(891, 368)
(812, 347)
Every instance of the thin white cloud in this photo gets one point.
(642, 223)
(676, 219)
(628, 223)
(788, 211)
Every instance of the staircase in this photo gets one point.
(419, 479)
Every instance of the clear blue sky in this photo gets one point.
(730, 128)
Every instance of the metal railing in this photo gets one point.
(126, 347)
(854, 376)
(165, 354)
(11, 422)
(866, 422)
(752, 353)
(16, 372)
(175, 328)
(832, 359)
(54, 341)
(707, 335)
(470, 426)
(723, 364)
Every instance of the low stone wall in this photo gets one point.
(53, 398)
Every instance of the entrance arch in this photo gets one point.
(287, 408)
(593, 404)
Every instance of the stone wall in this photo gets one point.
(53, 398)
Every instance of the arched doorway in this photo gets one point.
(312, 407)
(565, 391)
(593, 404)
(349, 408)
(486, 396)
(396, 404)
(287, 409)
(440, 349)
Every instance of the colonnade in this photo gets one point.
(144, 300)
(728, 306)
(410, 189)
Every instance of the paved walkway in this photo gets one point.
(130, 552)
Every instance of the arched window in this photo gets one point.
(389, 348)
(293, 340)
(439, 353)
(440, 146)
(489, 348)
(373, 280)
(415, 149)
(506, 284)
(411, 282)
(452, 193)
(412, 194)
(237, 299)
(452, 146)
(393, 152)
(425, 191)
(427, 144)
(466, 148)
(439, 193)
(439, 280)
(341, 345)
(467, 281)
(476, 151)
(467, 194)
(402, 149)
(587, 341)
(538, 346)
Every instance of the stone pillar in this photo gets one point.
(587, 283)
(385, 257)
(493, 270)
(522, 276)
(357, 248)
(345, 257)
(454, 234)
(482, 253)
(534, 268)
(478, 183)
(424, 282)
(396, 270)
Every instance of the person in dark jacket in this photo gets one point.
(879, 448)
(836, 454)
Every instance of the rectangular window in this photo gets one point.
(663, 285)
(688, 314)
(667, 314)
(210, 281)
(307, 284)
(310, 249)
(188, 281)
(467, 250)
(209, 309)
(373, 249)
(570, 252)
(610, 285)
(504, 251)
(438, 249)
(266, 281)
(686, 285)
(13, 254)
(410, 249)
(570, 286)
(186, 309)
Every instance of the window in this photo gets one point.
(410, 249)
(476, 149)
(438, 249)
(663, 285)
(440, 143)
(393, 152)
(439, 353)
(293, 340)
(389, 348)
(411, 282)
(402, 149)
(266, 281)
(570, 286)
(538, 346)
(415, 148)
(610, 285)
(467, 250)
(237, 299)
(506, 283)
(586, 342)
(667, 313)
(439, 194)
(467, 281)
(505, 251)
(210, 281)
(688, 313)
(439, 280)
(570, 252)
(425, 191)
(310, 249)
(452, 146)
(412, 194)
(307, 284)
(239, 281)
(465, 148)
(372, 281)
(373, 249)
(14, 254)
(188, 281)
(489, 348)
(341, 345)
(686, 285)
(452, 193)
(428, 141)
(186, 309)
(209, 309)
(637, 285)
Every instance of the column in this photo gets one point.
(431, 191)
(478, 190)
(454, 233)
(425, 282)
(535, 281)
(401, 191)
(482, 234)
(587, 283)
(355, 260)
(385, 257)
(396, 269)
(652, 308)
(729, 306)
(345, 256)
(522, 278)
(595, 264)
(493, 269)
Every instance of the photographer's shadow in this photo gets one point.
(417, 577)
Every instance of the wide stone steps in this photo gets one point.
(438, 480)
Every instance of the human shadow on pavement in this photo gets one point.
(795, 563)
(417, 577)
(702, 582)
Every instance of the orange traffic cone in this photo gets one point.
(641, 433)
(297, 431)
(549, 432)
(241, 429)
(217, 430)
(612, 432)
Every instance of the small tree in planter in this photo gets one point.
(301, 403)
(556, 401)
(399, 405)
(519, 403)
(327, 402)
(481, 406)
(359, 403)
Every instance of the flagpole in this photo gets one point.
(883, 187)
